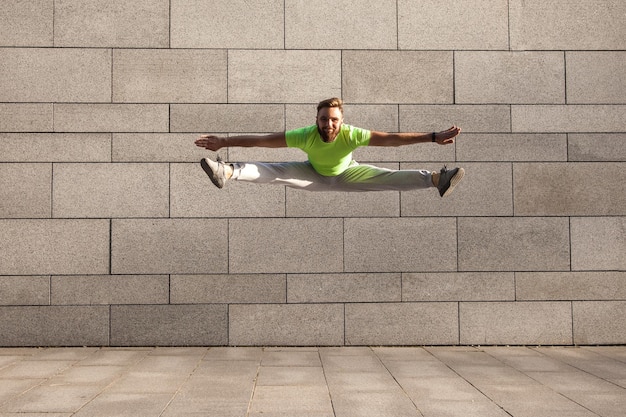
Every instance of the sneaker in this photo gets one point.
(215, 171)
(449, 179)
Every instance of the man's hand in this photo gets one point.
(446, 137)
(210, 142)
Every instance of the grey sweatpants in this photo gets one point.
(356, 178)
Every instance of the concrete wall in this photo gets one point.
(111, 234)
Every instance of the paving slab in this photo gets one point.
(291, 376)
(293, 400)
(121, 404)
(52, 398)
(441, 381)
(148, 383)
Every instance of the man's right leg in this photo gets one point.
(292, 174)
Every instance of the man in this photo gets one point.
(329, 145)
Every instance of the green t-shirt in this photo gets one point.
(328, 159)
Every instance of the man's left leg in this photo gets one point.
(372, 178)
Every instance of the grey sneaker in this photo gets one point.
(448, 179)
(215, 171)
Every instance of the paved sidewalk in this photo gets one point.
(314, 382)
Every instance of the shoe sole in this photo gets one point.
(454, 181)
(207, 169)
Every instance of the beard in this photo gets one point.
(328, 136)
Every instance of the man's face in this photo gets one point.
(329, 120)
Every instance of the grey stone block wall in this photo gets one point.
(111, 234)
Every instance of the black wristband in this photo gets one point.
(434, 140)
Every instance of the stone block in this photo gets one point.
(596, 77)
(397, 77)
(486, 77)
(471, 118)
(41, 247)
(111, 190)
(406, 153)
(458, 286)
(394, 245)
(162, 246)
(299, 115)
(109, 289)
(227, 24)
(513, 244)
(228, 118)
(25, 190)
(54, 326)
(194, 195)
(275, 76)
(343, 288)
(55, 147)
(285, 245)
(515, 323)
(609, 285)
(478, 24)
(286, 324)
(168, 325)
(26, 22)
(571, 119)
(402, 324)
(46, 74)
(116, 23)
(598, 243)
(372, 27)
(155, 147)
(512, 147)
(132, 118)
(590, 147)
(194, 76)
(482, 182)
(379, 117)
(24, 290)
(573, 189)
(302, 203)
(228, 289)
(558, 25)
(599, 322)
(26, 117)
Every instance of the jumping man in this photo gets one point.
(329, 144)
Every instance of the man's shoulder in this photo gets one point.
(356, 136)
(300, 136)
(303, 129)
(351, 128)
(354, 130)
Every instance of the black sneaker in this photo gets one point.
(449, 179)
(215, 171)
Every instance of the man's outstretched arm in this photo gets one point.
(214, 143)
(445, 137)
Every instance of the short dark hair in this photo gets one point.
(331, 102)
